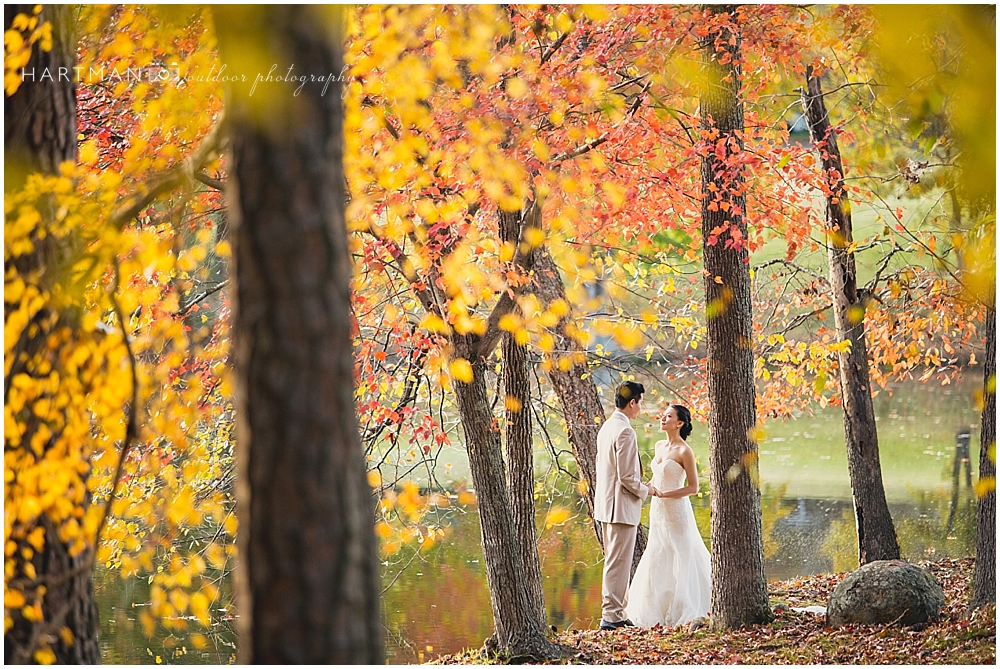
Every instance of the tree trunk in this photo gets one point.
(876, 534)
(40, 117)
(518, 629)
(39, 134)
(577, 393)
(308, 580)
(520, 460)
(739, 588)
(984, 584)
(520, 469)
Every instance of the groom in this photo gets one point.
(618, 501)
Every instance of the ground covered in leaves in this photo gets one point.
(800, 638)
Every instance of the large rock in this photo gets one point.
(886, 591)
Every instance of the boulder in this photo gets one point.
(886, 591)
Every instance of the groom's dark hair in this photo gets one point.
(626, 392)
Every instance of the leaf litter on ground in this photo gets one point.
(957, 637)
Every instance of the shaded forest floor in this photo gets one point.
(800, 638)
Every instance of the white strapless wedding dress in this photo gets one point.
(672, 584)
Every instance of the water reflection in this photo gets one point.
(122, 639)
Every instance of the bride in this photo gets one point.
(672, 583)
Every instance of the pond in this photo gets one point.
(437, 602)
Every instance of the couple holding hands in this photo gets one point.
(672, 583)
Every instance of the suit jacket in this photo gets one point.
(620, 490)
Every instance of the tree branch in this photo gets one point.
(530, 218)
(211, 291)
(185, 171)
(594, 143)
(209, 181)
(797, 268)
(554, 47)
(132, 429)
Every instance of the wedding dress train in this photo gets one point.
(672, 584)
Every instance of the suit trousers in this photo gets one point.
(619, 545)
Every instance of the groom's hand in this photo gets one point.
(653, 491)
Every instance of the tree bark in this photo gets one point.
(308, 580)
(518, 609)
(876, 534)
(518, 630)
(577, 393)
(40, 134)
(520, 460)
(739, 588)
(40, 117)
(984, 584)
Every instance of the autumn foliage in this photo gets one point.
(118, 414)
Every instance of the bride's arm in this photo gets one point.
(692, 476)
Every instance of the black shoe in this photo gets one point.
(627, 623)
(605, 625)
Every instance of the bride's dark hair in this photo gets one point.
(685, 417)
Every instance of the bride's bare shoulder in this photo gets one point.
(687, 451)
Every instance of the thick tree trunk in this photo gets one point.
(518, 629)
(39, 134)
(40, 118)
(876, 534)
(739, 588)
(984, 584)
(308, 580)
(520, 460)
(577, 393)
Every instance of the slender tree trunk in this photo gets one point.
(984, 584)
(308, 580)
(518, 630)
(739, 588)
(876, 534)
(520, 460)
(577, 393)
(520, 468)
(39, 134)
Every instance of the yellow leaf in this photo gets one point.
(88, 153)
(615, 193)
(534, 237)
(37, 538)
(44, 655)
(461, 370)
(509, 322)
(434, 323)
(628, 336)
(556, 516)
(516, 88)
(595, 12)
(13, 599)
(985, 485)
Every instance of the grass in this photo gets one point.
(800, 638)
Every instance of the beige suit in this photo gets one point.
(617, 506)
